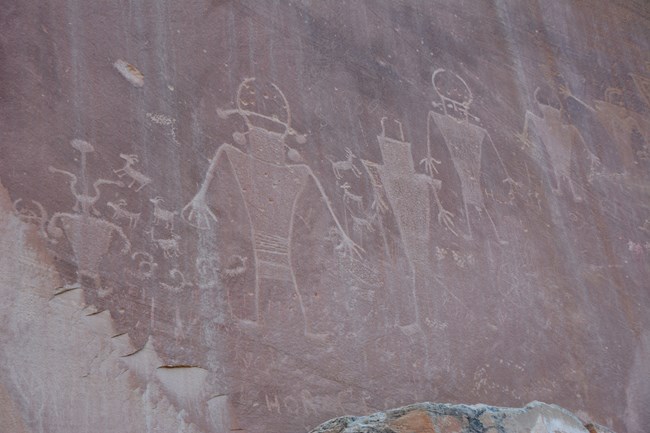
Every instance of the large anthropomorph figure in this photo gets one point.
(271, 185)
(557, 138)
(464, 140)
(408, 193)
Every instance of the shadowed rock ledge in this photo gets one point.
(536, 417)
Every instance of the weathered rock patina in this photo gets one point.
(256, 216)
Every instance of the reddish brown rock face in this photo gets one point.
(252, 216)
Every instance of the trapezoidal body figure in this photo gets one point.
(464, 140)
(555, 140)
(409, 196)
(270, 186)
(89, 235)
(621, 123)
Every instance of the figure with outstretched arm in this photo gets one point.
(398, 187)
(557, 139)
(270, 186)
(464, 140)
(89, 236)
(197, 213)
(429, 162)
(81, 222)
(512, 184)
(445, 217)
(85, 202)
(619, 122)
(348, 246)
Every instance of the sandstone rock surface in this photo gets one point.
(254, 216)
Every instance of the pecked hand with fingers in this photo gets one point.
(198, 214)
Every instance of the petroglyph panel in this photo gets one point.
(273, 213)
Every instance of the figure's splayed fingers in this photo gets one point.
(198, 214)
(446, 218)
(564, 91)
(595, 167)
(595, 161)
(430, 165)
(349, 248)
(378, 205)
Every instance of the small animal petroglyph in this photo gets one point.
(162, 215)
(84, 202)
(345, 165)
(130, 72)
(146, 263)
(349, 197)
(178, 276)
(128, 170)
(168, 246)
(361, 224)
(120, 213)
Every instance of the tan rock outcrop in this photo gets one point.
(536, 417)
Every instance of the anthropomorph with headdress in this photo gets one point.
(408, 193)
(271, 180)
(464, 140)
(89, 235)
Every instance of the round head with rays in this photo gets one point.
(454, 93)
(266, 112)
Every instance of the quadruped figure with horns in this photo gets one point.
(271, 180)
(464, 140)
